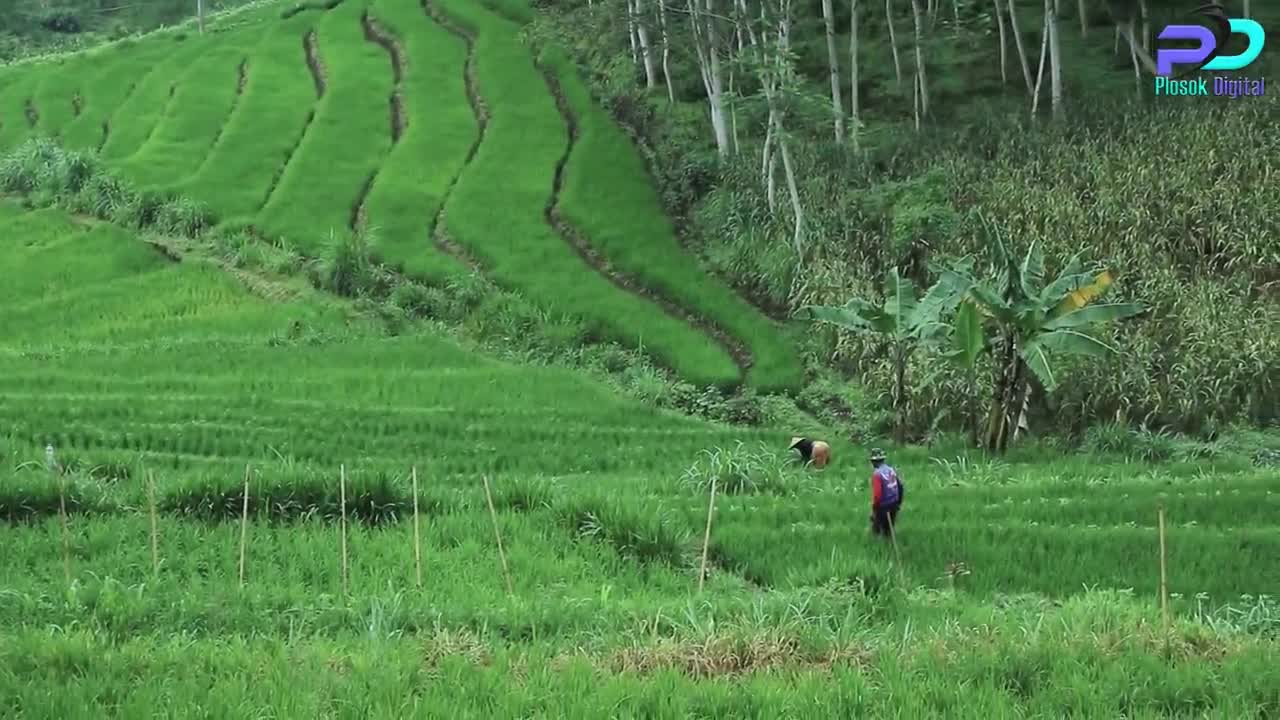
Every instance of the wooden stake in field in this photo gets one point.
(342, 489)
(897, 556)
(1164, 577)
(417, 535)
(66, 527)
(244, 523)
(155, 532)
(706, 536)
(493, 514)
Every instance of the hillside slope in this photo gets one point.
(115, 353)
(432, 129)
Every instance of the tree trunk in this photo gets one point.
(1146, 25)
(918, 15)
(893, 41)
(1084, 19)
(789, 169)
(1044, 47)
(1247, 13)
(1022, 51)
(666, 51)
(646, 50)
(706, 46)
(1004, 44)
(784, 44)
(1133, 55)
(899, 392)
(837, 105)
(767, 168)
(854, 122)
(1055, 57)
(631, 32)
(733, 113)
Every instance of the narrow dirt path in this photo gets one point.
(438, 232)
(590, 255)
(311, 51)
(375, 33)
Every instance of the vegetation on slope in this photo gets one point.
(233, 132)
(1155, 189)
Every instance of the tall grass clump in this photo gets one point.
(280, 497)
(632, 530)
(741, 470)
(48, 175)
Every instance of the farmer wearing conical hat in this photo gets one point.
(816, 450)
(886, 495)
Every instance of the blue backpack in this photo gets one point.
(890, 486)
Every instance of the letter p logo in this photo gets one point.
(1205, 56)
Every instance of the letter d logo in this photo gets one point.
(1257, 39)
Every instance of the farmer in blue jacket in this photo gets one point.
(886, 495)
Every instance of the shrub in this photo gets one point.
(739, 470)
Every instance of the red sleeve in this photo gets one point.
(876, 488)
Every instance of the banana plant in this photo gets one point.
(1035, 322)
(902, 319)
(968, 343)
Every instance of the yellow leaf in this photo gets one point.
(1086, 294)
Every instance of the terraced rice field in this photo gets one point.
(431, 127)
(569, 584)
(136, 366)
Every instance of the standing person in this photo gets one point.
(886, 495)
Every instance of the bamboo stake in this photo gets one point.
(1164, 578)
(155, 532)
(244, 523)
(417, 535)
(706, 537)
(342, 489)
(897, 556)
(66, 527)
(498, 534)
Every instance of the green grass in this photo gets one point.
(497, 212)
(411, 186)
(165, 113)
(61, 81)
(201, 103)
(135, 366)
(113, 74)
(344, 146)
(269, 121)
(609, 197)
(14, 124)
(134, 121)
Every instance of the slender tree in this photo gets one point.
(1004, 43)
(666, 51)
(893, 41)
(646, 49)
(1055, 56)
(837, 105)
(1022, 50)
(917, 13)
(855, 110)
(706, 42)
